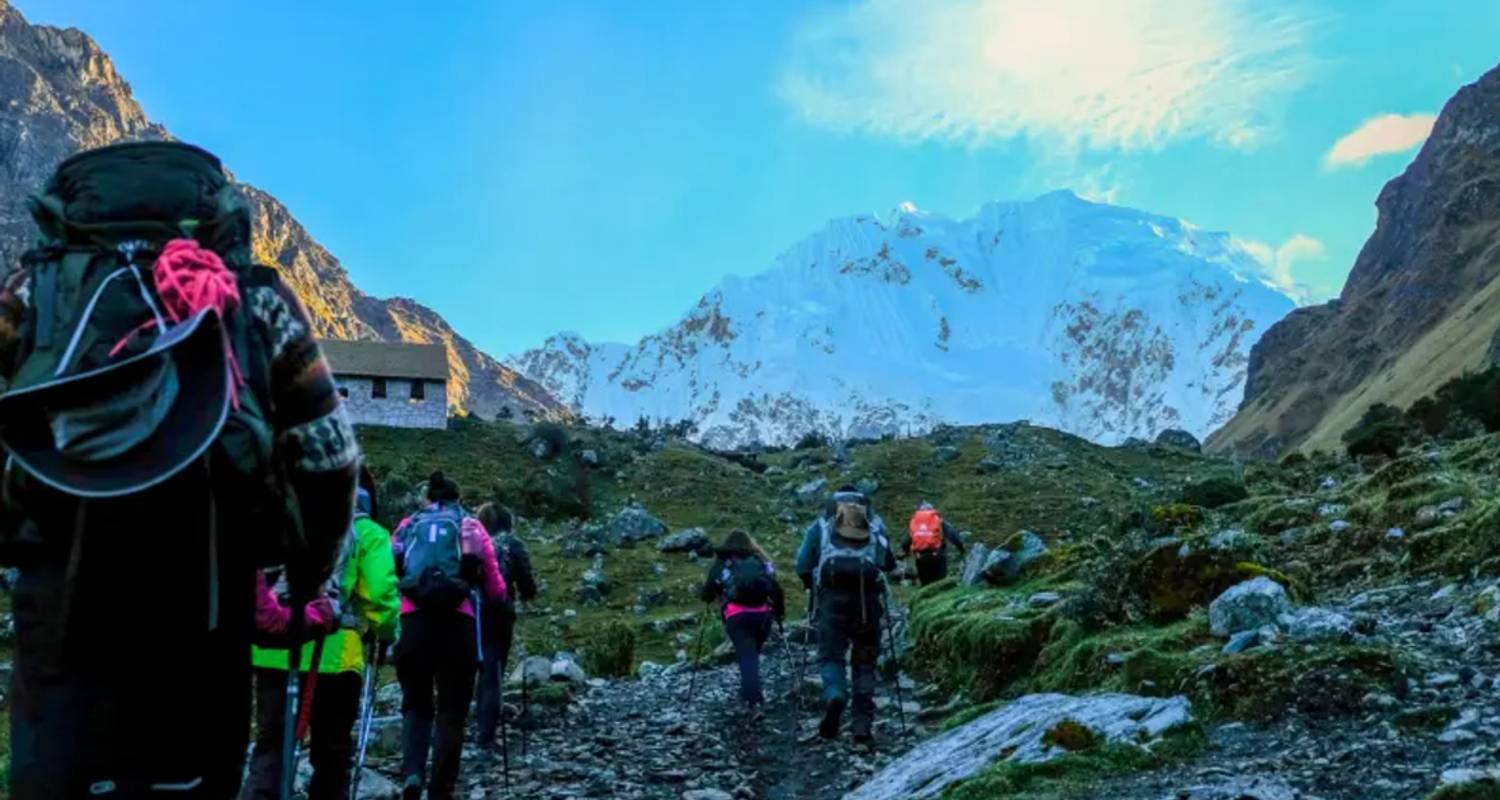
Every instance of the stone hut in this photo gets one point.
(397, 384)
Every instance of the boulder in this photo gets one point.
(1316, 625)
(946, 454)
(1248, 606)
(1179, 440)
(812, 491)
(692, 540)
(983, 565)
(635, 524)
(590, 458)
(867, 486)
(533, 670)
(1016, 732)
(564, 668)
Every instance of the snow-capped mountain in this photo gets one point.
(1099, 320)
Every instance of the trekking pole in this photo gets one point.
(525, 707)
(786, 648)
(697, 654)
(304, 710)
(366, 714)
(504, 729)
(293, 698)
(890, 627)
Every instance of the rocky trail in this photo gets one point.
(671, 735)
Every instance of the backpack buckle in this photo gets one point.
(128, 250)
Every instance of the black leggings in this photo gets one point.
(499, 633)
(335, 703)
(436, 660)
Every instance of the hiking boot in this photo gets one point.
(862, 731)
(412, 789)
(833, 714)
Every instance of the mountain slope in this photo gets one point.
(59, 94)
(1421, 306)
(1099, 320)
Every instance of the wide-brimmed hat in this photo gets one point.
(129, 425)
(853, 522)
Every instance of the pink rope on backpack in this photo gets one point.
(190, 278)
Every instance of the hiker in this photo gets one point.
(444, 559)
(843, 561)
(154, 376)
(744, 578)
(928, 536)
(499, 616)
(364, 587)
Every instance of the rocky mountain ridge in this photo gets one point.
(1103, 321)
(1421, 306)
(60, 93)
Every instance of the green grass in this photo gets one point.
(1076, 774)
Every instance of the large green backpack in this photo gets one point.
(103, 218)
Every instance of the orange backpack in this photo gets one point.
(926, 531)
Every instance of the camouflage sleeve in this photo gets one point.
(13, 302)
(313, 434)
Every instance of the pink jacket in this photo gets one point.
(476, 541)
(271, 617)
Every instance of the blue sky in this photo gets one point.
(526, 168)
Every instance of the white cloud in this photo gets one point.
(1102, 74)
(1387, 133)
(1278, 264)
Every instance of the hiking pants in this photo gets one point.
(499, 633)
(748, 631)
(437, 657)
(335, 704)
(932, 568)
(120, 689)
(845, 631)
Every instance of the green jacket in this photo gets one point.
(372, 573)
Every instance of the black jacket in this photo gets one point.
(713, 583)
(515, 565)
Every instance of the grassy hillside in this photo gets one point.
(992, 481)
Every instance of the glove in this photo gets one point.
(321, 617)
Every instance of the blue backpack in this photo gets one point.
(432, 558)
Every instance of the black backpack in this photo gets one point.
(747, 581)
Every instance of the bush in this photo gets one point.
(811, 440)
(552, 437)
(1213, 492)
(610, 652)
(1383, 430)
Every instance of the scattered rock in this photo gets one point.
(1045, 599)
(1248, 606)
(1395, 533)
(590, 458)
(1014, 732)
(1316, 625)
(813, 490)
(946, 454)
(594, 585)
(1180, 440)
(1245, 640)
(533, 670)
(1339, 525)
(706, 794)
(1239, 788)
(564, 668)
(692, 540)
(635, 524)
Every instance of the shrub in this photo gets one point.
(610, 652)
(811, 441)
(1383, 430)
(552, 438)
(1213, 492)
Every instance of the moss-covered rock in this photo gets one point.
(1313, 680)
